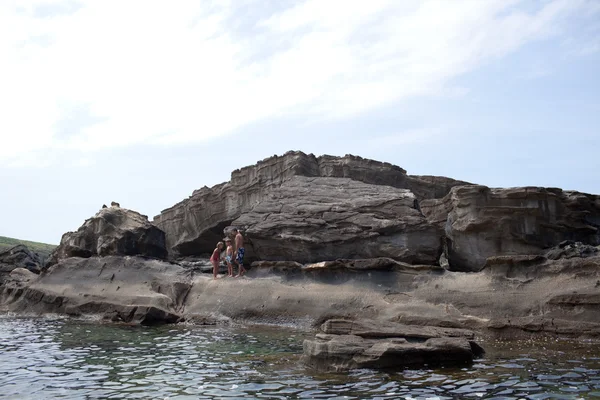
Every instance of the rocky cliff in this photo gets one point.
(342, 238)
(480, 222)
(315, 219)
(194, 225)
(303, 208)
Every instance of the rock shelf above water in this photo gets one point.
(349, 344)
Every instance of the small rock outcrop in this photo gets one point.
(19, 256)
(194, 225)
(480, 222)
(112, 231)
(346, 344)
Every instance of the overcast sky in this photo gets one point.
(142, 102)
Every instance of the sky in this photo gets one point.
(142, 102)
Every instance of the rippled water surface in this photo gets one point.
(44, 359)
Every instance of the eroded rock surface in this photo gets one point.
(480, 222)
(314, 219)
(129, 289)
(194, 225)
(19, 257)
(112, 231)
(348, 344)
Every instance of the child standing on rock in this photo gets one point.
(228, 257)
(215, 259)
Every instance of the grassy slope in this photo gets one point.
(41, 248)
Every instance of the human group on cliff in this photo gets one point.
(233, 254)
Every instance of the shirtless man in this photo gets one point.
(239, 252)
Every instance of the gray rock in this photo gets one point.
(380, 345)
(314, 219)
(367, 328)
(112, 231)
(480, 222)
(194, 225)
(571, 249)
(129, 289)
(372, 264)
(19, 256)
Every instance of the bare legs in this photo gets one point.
(215, 264)
(241, 269)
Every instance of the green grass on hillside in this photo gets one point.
(42, 249)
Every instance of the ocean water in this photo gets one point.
(42, 358)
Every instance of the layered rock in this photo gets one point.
(112, 231)
(129, 289)
(480, 222)
(19, 256)
(194, 225)
(314, 219)
(348, 344)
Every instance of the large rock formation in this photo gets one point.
(347, 344)
(194, 225)
(112, 231)
(315, 219)
(480, 222)
(367, 237)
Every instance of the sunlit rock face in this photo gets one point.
(323, 208)
(480, 222)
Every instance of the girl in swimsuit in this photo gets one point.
(215, 259)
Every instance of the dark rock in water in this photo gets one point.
(128, 289)
(311, 198)
(480, 222)
(386, 345)
(112, 231)
(20, 256)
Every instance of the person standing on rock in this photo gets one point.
(215, 259)
(239, 246)
(229, 257)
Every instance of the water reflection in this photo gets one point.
(42, 358)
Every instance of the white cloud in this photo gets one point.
(182, 72)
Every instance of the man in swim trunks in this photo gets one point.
(239, 247)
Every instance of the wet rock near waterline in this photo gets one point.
(128, 289)
(345, 345)
(19, 256)
(524, 327)
(112, 231)
(367, 328)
